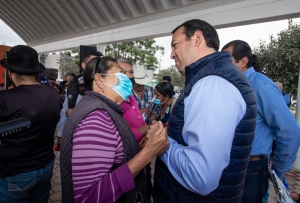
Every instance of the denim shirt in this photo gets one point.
(273, 121)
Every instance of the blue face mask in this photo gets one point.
(156, 101)
(123, 87)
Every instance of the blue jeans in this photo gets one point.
(33, 186)
(256, 181)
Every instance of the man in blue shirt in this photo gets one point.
(273, 121)
(211, 126)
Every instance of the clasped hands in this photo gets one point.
(156, 140)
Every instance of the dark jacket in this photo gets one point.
(72, 92)
(230, 188)
(89, 103)
(30, 149)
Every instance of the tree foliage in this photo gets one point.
(177, 79)
(280, 58)
(138, 52)
(69, 62)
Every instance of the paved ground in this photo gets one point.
(55, 192)
(293, 178)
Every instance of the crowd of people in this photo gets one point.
(212, 143)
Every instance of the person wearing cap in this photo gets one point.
(166, 78)
(142, 93)
(27, 158)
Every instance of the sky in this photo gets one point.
(252, 34)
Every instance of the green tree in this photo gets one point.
(280, 58)
(139, 52)
(69, 62)
(177, 79)
(76, 55)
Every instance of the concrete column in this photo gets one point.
(101, 48)
(296, 164)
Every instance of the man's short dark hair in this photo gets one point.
(91, 53)
(167, 78)
(210, 34)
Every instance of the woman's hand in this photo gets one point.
(157, 143)
(142, 142)
(144, 129)
(157, 139)
(153, 117)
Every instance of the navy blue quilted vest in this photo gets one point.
(230, 189)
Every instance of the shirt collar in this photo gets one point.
(249, 71)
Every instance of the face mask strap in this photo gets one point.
(104, 84)
(163, 99)
(108, 74)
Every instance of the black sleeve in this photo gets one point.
(72, 94)
(3, 109)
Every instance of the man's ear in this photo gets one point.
(198, 37)
(83, 65)
(244, 61)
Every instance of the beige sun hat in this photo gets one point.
(141, 75)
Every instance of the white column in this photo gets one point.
(298, 102)
(296, 164)
(101, 48)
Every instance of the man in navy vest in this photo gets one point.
(211, 126)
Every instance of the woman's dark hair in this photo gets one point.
(103, 65)
(165, 89)
(210, 34)
(242, 49)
